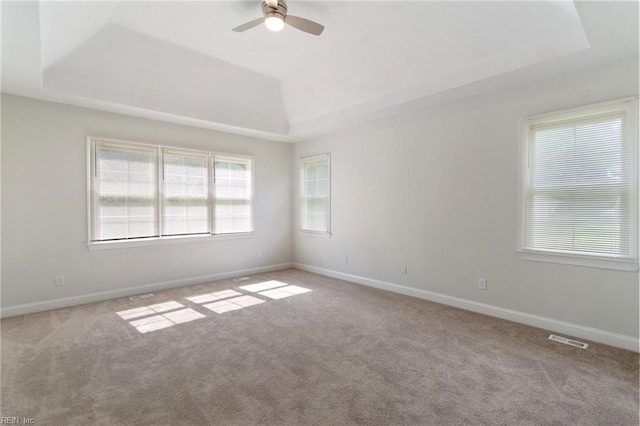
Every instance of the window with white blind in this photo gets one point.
(185, 192)
(124, 199)
(143, 192)
(233, 194)
(315, 205)
(579, 193)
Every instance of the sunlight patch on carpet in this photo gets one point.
(233, 304)
(282, 292)
(149, 310)
(164, 307)
(254, 288)
(210, 297)
(167, 314)
(158, 322)
(135, 313)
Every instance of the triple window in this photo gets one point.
(141, 191)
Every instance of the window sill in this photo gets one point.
(319, 234)
(577, 260)
(144, 242)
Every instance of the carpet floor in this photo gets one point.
(277, 354)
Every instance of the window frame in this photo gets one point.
(250, 159)
(91, 173)
(596, 260)
(162, 182)
(302, 196)
(165, 239)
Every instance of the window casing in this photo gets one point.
(315, 194)
(143, 192)
(579, 186)
(233, 194)
(185, 192)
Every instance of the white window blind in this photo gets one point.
(233, 179)
(185, 195)
(125, 191)
(315, 194)
(140, 191)
(580, 182)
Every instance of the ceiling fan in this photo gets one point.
(275, 16)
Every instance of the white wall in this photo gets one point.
(44, 217)
(437, 191)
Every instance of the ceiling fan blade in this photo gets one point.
(304, 24)
(248, 25)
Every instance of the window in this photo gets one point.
(185, 192)
(125, 192)
(315, 173)
(233, 194)
(140, 191)
(580, 185)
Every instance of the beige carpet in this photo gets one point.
(337, 355)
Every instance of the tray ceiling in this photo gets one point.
(180, 61)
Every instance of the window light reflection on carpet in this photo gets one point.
(223, 301)
(149, 310)
(168, 319)
(233, 304)
(210, 297)
(254, 288)
(282, 292)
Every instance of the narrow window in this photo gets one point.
(315, 209)
(233, 177)
(185, 192)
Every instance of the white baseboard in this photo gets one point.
(596, 335)
(64, 302)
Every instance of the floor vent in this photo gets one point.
(569, 342)
(141, 296)
(241, 279)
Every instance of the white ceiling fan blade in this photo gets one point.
(304, 24)
(248, 25)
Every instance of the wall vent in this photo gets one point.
(241, 279)
(141, 296)
(569, 342)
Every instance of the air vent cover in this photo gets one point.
(141, 296)
(569, 342)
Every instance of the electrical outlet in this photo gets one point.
(346, 260)
(482, 283)
(260, 253)
(404, 270)
(59, 279)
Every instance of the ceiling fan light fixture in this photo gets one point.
(274, 16)
(274, 23)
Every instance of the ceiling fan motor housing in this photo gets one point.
(278, 12)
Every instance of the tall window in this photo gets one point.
(143, 191)
(233, 194)
(315, 173)
(580, 183)
(125, 191)
(185, 192)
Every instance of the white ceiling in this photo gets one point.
(180, 61)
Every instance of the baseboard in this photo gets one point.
(64, 302)
(596, 335)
